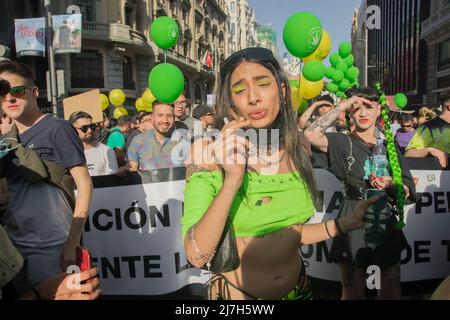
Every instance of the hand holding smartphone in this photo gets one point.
(84, 260)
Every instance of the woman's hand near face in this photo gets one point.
(231, 151)
(355, 102)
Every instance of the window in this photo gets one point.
(128, 82)
(233, 29)
(444, 56)
(233, 6)
(87, 70)
(443, 83)
(129, 16)
(87, 8)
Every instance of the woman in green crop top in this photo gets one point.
(267, 190)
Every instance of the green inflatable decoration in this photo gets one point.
(344, 85)
(352, 73)
(342, 66)
(293, 83)
(302, 34)
(329, 72)
(345, 49)
(400, 100)
(338, 76)
(314, 70)
(164, 32)
(332, 87)
(340, 94)
(335, 58)
(350, 60)
(166, 82)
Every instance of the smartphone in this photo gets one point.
(83, 258)
(84, 261)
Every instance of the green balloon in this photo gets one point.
(350, 60)
(354, 84)
(352, 73)
(342, 66)
(338, 76)
(302, 108)
(332, 87)
(166, 82)
(329, 72)
(401, 100)
(293, 83)
(344, 85)
(164, 32)
(335, 58)
(302, 34)
(340, 94)
(345, 49)
(314, 70)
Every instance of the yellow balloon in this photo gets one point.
(140, 104)
(322, 50)
(309, 89)
(105, 101)
(148, 97)
(117, 97)
(121, 111)
(149, 108)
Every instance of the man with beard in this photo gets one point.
(157, 148)
(100, 159)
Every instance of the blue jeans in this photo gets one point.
(39, 265)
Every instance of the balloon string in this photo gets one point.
(299, 95)
(165, 56)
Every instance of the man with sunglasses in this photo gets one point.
(205, 115)
(101, 160)
(43, 221)
(404, 135)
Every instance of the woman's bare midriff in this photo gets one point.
(269, 269)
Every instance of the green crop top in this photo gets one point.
(290, 203)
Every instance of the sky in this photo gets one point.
(335, 15)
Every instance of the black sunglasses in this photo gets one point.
(258, 54)
(5, 87)
(86, 127)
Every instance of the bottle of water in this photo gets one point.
(379, 159)
(376, 217)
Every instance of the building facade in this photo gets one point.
(395, 53)
(117, 51)
(241, 25)
(359, 42)
(267, 38)
(202, 44)
(436, 33)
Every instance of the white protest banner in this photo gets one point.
(135, 233)
(427, 229)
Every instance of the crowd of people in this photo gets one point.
(227, 186)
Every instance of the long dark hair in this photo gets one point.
(285, 121)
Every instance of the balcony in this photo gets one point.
(115, 32)
(182, 60)
(439, 19)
